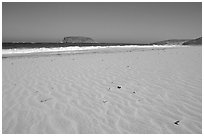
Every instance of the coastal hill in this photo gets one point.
(197, 41)
(78, 39)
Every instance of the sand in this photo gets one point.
(145, 91)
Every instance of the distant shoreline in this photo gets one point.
(113, 49)
(10, 45)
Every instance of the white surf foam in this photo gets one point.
(75, 48)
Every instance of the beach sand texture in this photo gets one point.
(147, 91)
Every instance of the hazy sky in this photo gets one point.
(104, 22)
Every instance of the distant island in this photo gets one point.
(78, 39)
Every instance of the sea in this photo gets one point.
(32, 48)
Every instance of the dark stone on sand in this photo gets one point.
(177, 122)
(119, 87)
(45, 100)
(134, 92)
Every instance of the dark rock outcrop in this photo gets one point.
(197, 41)
(78, 39)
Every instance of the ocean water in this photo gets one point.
(28, 48)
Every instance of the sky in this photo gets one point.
(104, 22)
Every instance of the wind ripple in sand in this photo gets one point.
(132, 92)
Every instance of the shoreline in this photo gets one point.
(100, 50)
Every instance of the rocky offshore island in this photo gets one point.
(78, 39)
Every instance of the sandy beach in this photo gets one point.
(126, 91)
